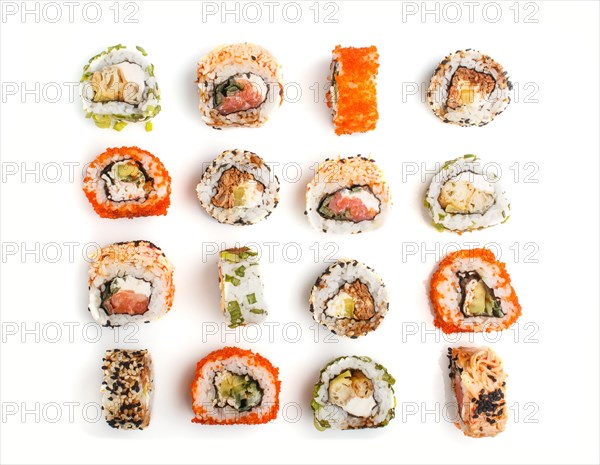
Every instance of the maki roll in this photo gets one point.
(126, 388)
(349, 299)
(118, 87)
(462, 197)
(347, 195)
(238, 187)
(242, 299)
(127, 182)
(130, 282)
(353, 393)
(235, 386)
(468, 89)
(239, 85)
(471, 292)
(352, 95)
(478, 381)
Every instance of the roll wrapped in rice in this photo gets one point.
(352, 95)
(130, 282)
(239, 85)
(127, 388)
(469, 88)
(349, 299)
(471, 292)
(235, 386)
(353, 393)
(463, 197)
(478, 382)
(239, 188)
(127, 182)
(118, 86)
(347, 195)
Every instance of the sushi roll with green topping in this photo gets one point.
(463, 197)
(353, 393)
(242, 299)
(118, 86)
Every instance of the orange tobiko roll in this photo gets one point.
(235, 386)
(471, 292)
(352, 95)
(127, 182)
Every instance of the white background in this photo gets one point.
(551, 355)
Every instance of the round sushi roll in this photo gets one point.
(352, 95)
(471, 292)
(478, 382)
(469, 89)
(127, 388)
(238, 187)
(118, 87)
(347, 196)
(353, 393)
(463, 197)
(127, 182)
(239, 85)
(130, 282)
(235, 386)
(349, 299)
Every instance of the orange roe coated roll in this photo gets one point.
(355, 78)
(155, 204)
(218, 360)
(446, 317)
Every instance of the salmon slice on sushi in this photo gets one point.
(240, 85)
(478, 382)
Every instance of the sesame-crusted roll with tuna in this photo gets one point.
(349, 299)
(127, 182)
(469, 88)
(130, 282)
(347, 196)
(239, 188)
(478, 381)
(239, 85)
(126, 388)
(471, 292)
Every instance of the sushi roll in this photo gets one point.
(127, 182)
(478, 381)
(352, 94)
(468, 89)
(127, 388)
(462, 197)
(130, 282)
(353, 393)
(239, 85)
(349, 299)
(118, 87)
(347, 196)
(242, 299)
(239, 188)
(471, 292)
(235, 386)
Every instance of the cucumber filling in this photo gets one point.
(240, 392)
(477, 299)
